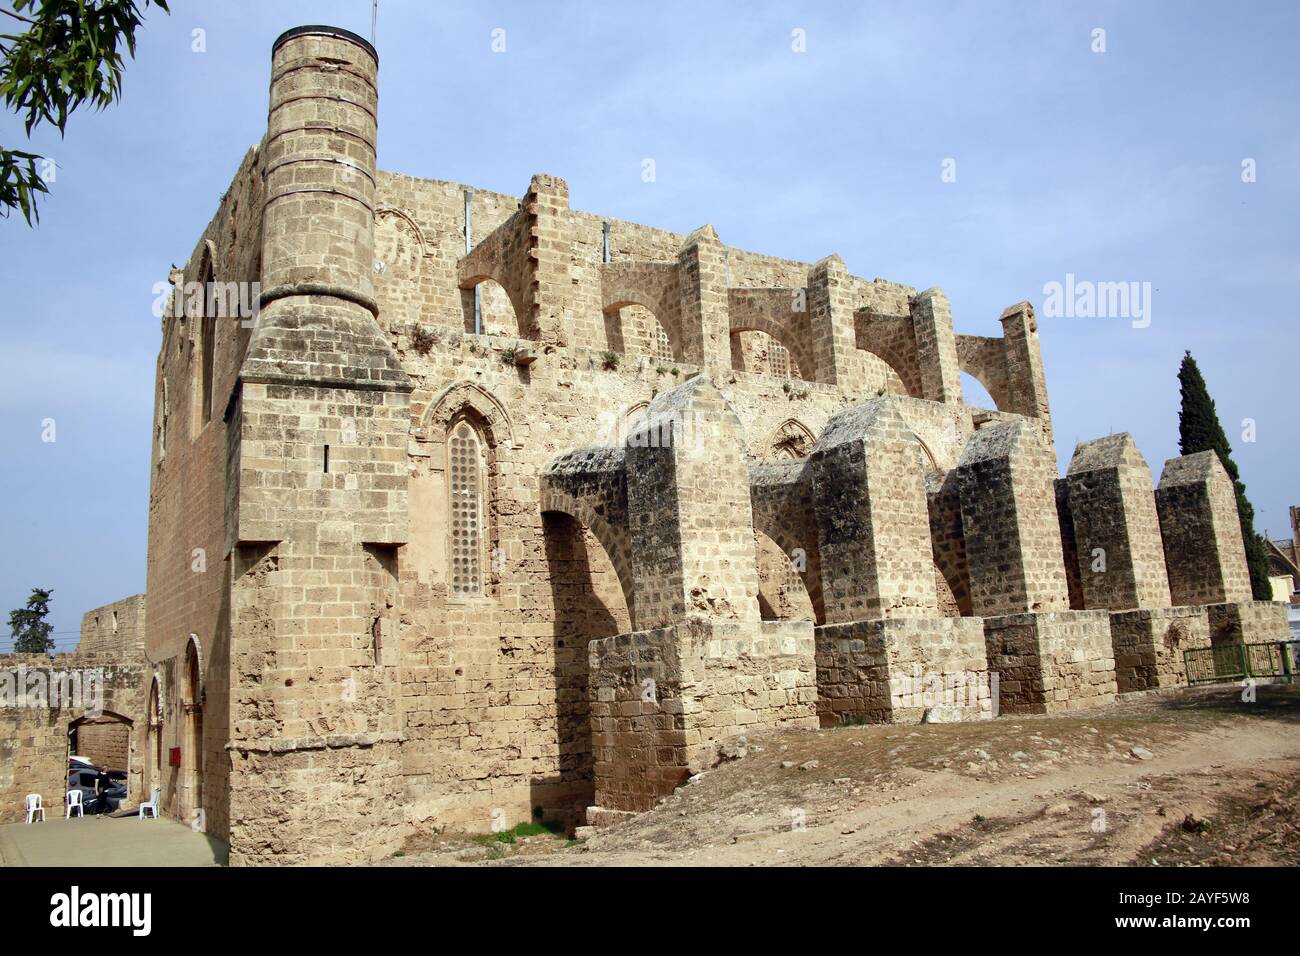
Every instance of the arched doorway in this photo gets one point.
(104, 740)
(192, 747)
(153, 761)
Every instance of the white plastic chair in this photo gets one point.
(73, 802)
(151, 805)
(34, 807)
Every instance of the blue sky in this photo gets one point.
(1117, 166)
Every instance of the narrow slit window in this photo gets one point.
(466, 474)
(209, 353)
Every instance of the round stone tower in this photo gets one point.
(323, 396)
(319, 162)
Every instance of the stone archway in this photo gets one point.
(589, 604)
(104, 740)
(782, 594)
(192, 747)
(153, 755)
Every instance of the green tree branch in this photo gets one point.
(70, 55)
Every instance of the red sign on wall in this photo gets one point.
(174, 757)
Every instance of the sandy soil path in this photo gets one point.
(1190, 778)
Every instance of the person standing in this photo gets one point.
(103, 782)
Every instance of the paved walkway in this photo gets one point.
(107, 841)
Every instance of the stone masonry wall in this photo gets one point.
(1051, 662)
(1149, 645)
(45, 698)
(886, 671)
(114, 629)
(662, 700)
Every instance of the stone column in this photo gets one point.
(689, 514)
(1008, 511)
(1026, 381)
(936, 347)
(830, 316)
(705, 323)
(872, 521)
(702, 667)
(551, 251)
(1202, 532)
(318, 159)
(1121, 557)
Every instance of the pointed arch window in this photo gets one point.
(467, 476)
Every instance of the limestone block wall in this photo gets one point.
(482, 674)
(781, 495)
(762, 320)
(421, 228)
(1149, 645)
(1052, 661)
(896, 670)
(114, 629)
(1248, 622)
(105, 742)
(947, 539)
(47, 697)
(186, 583)
(662, 700)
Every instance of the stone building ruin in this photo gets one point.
(500, 509)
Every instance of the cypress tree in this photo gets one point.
(1199, 430)
(31, 632)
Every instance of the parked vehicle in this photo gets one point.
(82, 776)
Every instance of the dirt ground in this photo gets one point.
(1195, 777)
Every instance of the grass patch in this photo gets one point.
(521, 830)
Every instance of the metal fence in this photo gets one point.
(1233, 662)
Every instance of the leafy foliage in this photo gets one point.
(31, 632)
(69, 55)
(1199, 430)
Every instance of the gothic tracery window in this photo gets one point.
(662, 348)
(466, 481)
(778, 359)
